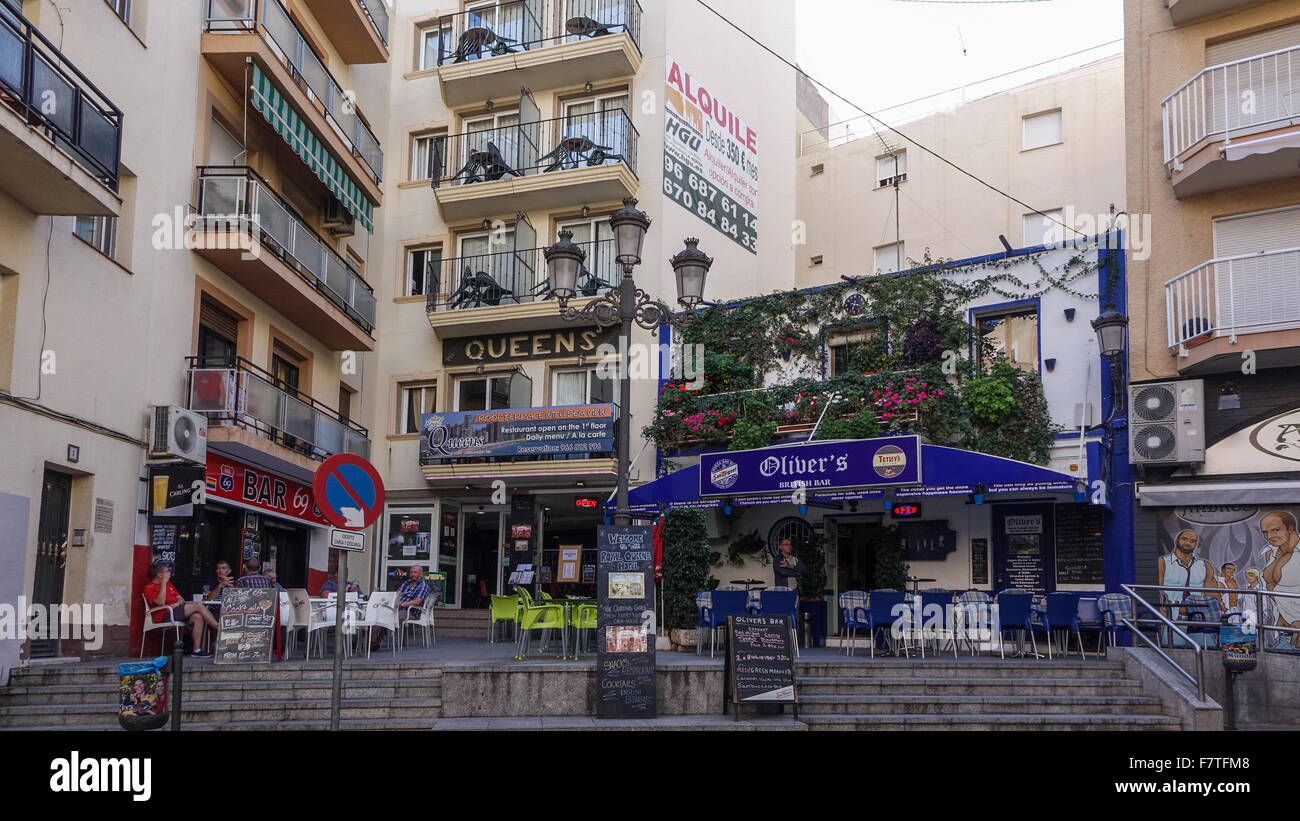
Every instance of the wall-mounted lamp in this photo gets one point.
(1069, 314)
(478, 368)
(582, 360)
(490, 104)
(1229, 396)
(587, 87)
(978, 496)
(586, 210)
(1050, 364)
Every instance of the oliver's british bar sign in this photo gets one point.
(892, 460)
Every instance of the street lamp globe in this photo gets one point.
(1111, 327)
(563, 261)
(629, 225)
(691, 265)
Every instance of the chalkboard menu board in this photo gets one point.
(979, 561)
(625, 633)
(761, 659)
(252, 543)
(163, 544)
(248, 622)
(1079, 552)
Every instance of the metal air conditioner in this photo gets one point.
(179, 433)
(1167, 423)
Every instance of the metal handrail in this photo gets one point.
(519, 26)
(376, 11)
(1199, 678)
(512, 277)
(274, 24)
(1195, 300)
(50, 93)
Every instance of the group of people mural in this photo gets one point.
(1231, 562)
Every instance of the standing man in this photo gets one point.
(1283, 572)
(786, 567)
(1228, 580)
(1184, 568)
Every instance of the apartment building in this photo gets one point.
(873, 201)
(511, 122)
(1212, 91)
(186, 206)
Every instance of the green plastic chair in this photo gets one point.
(544, 617)
(504, 608)
(583, 618)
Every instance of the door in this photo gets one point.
(481, 557)
(51, 554)
(1024, 547)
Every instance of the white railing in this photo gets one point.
(1233, 100)
(1249, 293)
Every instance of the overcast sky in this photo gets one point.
(880, 53)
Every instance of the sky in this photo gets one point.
(880, 53)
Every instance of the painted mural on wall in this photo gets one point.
(1236, 547)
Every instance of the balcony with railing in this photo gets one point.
(249, 231)
(1185, 11)
(60, 136)
(239, 396)
(490, 52)
(264, 31)
(1234, 124)
(1208, 307)
(357, 28)
(542, 164)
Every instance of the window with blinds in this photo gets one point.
(1257, 291)
(891, 168)
(218, 334)
(1253, 45)
(1042, 129)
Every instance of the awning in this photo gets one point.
(287, 123)
(947, 471)
(1220, 493)
(1263, 145)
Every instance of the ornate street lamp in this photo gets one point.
(1111, 327)
(624, 305)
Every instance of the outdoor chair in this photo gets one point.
(1207, 612)
(944, 629)
(782, 603)
(881, 616)
(419, 618)
(975, 618)
(703, 601)
(1016, 612)
(301, 611)
(544, 617)
(503, 609)
(1063, 614)
(583, 622)
(725, 603)
(853, 615)
(380, 611)
(1113, 608)
(150, 624)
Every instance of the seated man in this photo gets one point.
(222, 578)
(410, 597)
(253, 575)
(161, 593)
(332, 585)
(270, 574)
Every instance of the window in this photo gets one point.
(1042, 129)
(815, 261)
(483, 393)
(286, 368)
(891, 169)
(122, 8)
(843, 348)
(99, 232)
(431, 39)
(423, 268)
(499, 129)
(1046, 228)
(428, 156)
(601, 119)
(224, 148)
(417, 400)
(889, 258)
(484, 259)
(1011, 335)
(218, 332)
(595, 236)
(610, 16)
(581, 387)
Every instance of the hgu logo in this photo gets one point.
(129, 775)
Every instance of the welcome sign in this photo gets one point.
(892, 460)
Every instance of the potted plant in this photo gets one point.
(812, 584)
(686, 572)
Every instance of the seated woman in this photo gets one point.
(161, 593)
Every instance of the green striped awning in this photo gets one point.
(289, 125)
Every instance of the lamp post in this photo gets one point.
(1112, 327)
(624, 305)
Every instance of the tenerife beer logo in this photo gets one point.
(889, 461)
(440, 439)
(725, 473)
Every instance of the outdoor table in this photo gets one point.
(479, 36)
(747, 582)
(581, 26)
(916, 583)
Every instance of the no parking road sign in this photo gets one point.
(348, 491)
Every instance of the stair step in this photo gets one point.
(898, 668)
(968, 705)
(952, 685)
(52, 715)
(988, 721)
(266, 726)
(587, 723)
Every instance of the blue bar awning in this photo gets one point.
(947, 471)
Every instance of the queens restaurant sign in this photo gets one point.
(516, 432)
(893, 460)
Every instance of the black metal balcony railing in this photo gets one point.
(509, 28)
(378, 14)
(512, 277)
(269, 19)
(38, 82)
(237, 393)
(236, 198)
(540, 147)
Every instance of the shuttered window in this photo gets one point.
(217, 320)
(1257, 293)
(1253, 45)
(1267, 231)
(1042, 129)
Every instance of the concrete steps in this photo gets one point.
(969, 705)
(465, 624)
(988, 721)
(972, 687)
(588, 724)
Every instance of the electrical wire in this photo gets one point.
(873, 117)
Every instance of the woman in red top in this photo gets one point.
(161, 593)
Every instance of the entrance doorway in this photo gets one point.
(51, 553)
(855, 557)
(481, 563)
(286, 550)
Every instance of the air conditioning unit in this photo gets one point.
(179, 433)
(1167, 423)
(338, 220)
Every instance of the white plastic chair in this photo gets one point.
(380, 611)
(322, 618)
(150, 624)
(422, 622)
(300, 615)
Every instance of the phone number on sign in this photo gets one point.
(697, 194)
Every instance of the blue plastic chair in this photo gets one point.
(1207, 611)
(938, 597)
(1113, 607)
(853, 615)
(881, 616)
(782, 603)
(725, 603)
(703, 601)
(1015, 612)
(1063, 614)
